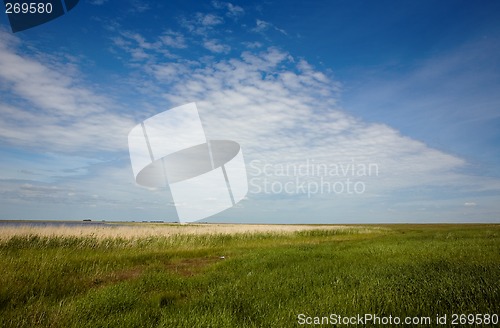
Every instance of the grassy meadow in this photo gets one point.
(232, 276)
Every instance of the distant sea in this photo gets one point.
(41, 223)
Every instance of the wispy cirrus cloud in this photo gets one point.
(139, 6)
(51, 108)
(262, 26)
(173, 39)
(201, 23)
(141, 49)
(448, 99)
(98, 2)
(232, 11)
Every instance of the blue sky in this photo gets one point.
(408, 87)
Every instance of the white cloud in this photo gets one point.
(138, 47)
(85, 196)
(139, 6)
(98, 2)
(173, 39)
(449, 98)
(283, 111)
(53, 109)
(263, 26)
(233, 11)
(253, 45)
(201, 24)
(208, 19)
(216, 46)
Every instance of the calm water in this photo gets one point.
(40, 223)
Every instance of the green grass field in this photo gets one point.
(264, 279)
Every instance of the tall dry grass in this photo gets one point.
(138, 230)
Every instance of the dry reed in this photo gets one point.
(138, 230)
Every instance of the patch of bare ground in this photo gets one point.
(117, 276)
(185, 267)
